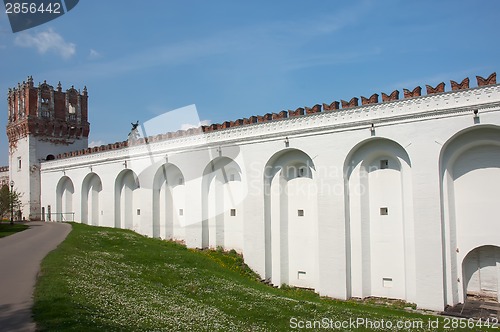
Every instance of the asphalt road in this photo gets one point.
(20, 258)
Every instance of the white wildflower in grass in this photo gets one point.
(103, 279)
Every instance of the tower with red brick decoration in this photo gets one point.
(42, 122)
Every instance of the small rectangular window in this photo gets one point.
(301, 275)
(138, 212)
(300, 213)
(19, 163)
(384, 164)
(181, 212)
(387, 282)
(384, 211)
(233, 212)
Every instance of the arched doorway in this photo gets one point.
(481, 272)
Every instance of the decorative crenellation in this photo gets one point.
(393, 96)
(372, 100)
(438, 89)
(315, 109)
(351, 103)
(460, 86)
(492, 79)
(44, 111)
(95, 149)
(417, 92)
(4, 169)
(333, 106)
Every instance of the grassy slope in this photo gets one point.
(103, 279)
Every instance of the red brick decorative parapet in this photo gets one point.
(460, 86)
(332, 107)
(298, 112)
(95, 149)
(318, 108)
(351, 103)
(315, 109)
(414, 93)
(372, 100)
(438, 89)
(492, 79)
(393, 96)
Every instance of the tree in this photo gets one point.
(6, 197)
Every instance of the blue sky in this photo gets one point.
(235, 59)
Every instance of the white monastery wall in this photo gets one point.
(323, 201)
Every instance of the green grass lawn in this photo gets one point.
(7, 229)
(104, 279)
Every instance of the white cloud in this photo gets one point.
(95, 143)
(94, 54)
(46, 41)
(186, 126)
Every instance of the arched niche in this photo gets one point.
(168, 202)
(470, 196)
(222, 211)
(91, 189)
(379, 223)
(125, 184)
(64, 199)
(291, 210)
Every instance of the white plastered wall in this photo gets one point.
(420, 126)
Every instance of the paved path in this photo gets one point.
(20, 258)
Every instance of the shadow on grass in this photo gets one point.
(7, 229)
(59, 314)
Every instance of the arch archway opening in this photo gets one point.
(481, 273)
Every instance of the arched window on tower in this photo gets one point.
(45, 108)
(72, 112)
